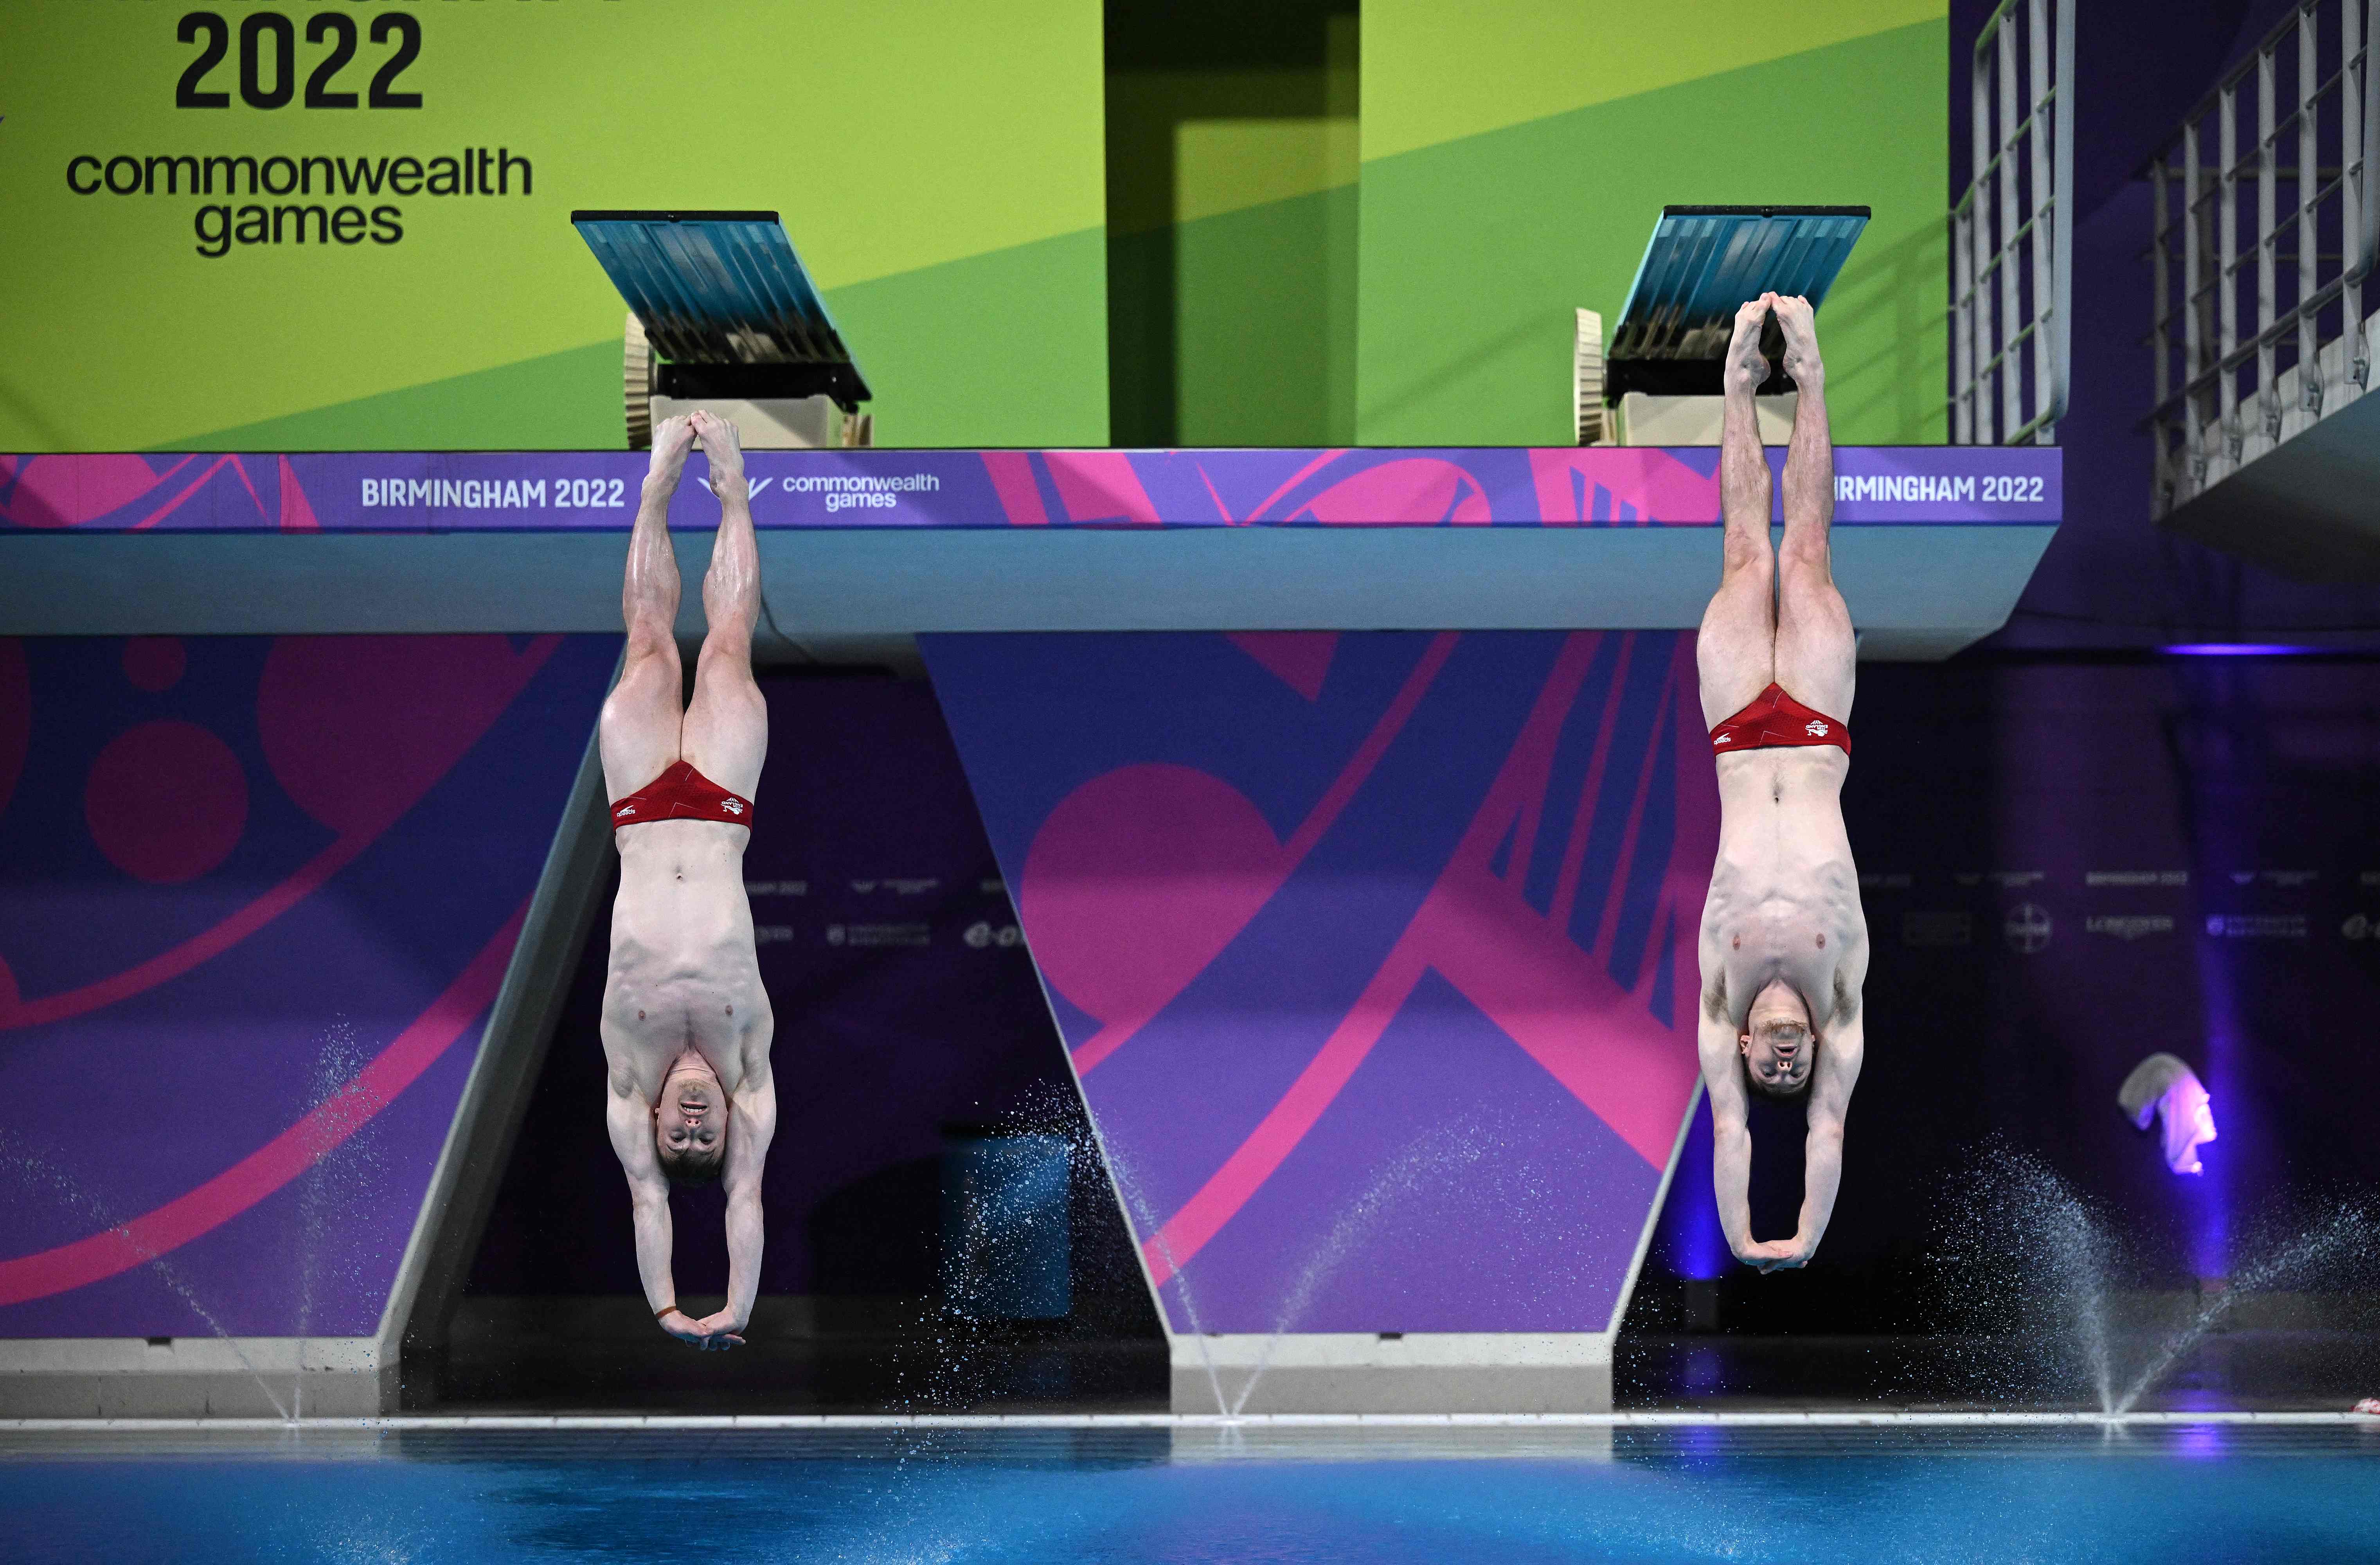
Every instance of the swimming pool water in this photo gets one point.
(2194, 1493)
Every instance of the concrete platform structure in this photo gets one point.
(1561, 586)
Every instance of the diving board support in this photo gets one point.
(414, 1327)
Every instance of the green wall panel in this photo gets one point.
(1033, 372)
(1474, 253)
(997, 349)
(1239, 328)
(567, 401)
(900, 142)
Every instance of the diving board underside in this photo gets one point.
(1917, 592)
(2303, 507)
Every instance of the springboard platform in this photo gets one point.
(1444, 963)
(1933, 544)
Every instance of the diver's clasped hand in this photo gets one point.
(711, 1334)
(1776, 1255)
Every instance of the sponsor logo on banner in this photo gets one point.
(848, 491)
(772, 934)
(776, 887)
(2006, 879)
(2287, 879)
(1887, 882)
(994, 888)
(2027, 928)
(2257, 926)
(879, 934)
(2136, 878)
(981, 935)
(2356, 927)
(2129, 926)
(1937, 929)
(2369, 878)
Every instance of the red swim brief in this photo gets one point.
(1775, 719)
(680, 793)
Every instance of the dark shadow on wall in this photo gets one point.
(2068, 862)
(1231, 222)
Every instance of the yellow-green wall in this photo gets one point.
(938, 164)
(1038, 223)
(1515, 157)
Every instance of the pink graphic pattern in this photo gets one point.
(355, 729)
(1142, 876)
(438, 492)
(1119, 910)
(217, 1200)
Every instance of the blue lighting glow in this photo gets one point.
(1690, 1236)
(2231, 649)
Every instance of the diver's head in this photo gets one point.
(690, 1121)
(1778, 1046)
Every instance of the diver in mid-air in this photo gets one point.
(685, 1022)
(1784, 944)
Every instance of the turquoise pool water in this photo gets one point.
(2185, 1494)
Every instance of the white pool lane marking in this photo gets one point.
(1627, 1420)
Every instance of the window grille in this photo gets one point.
(2264, 232)
(2013, 232)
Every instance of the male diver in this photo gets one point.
(685, 1024)
(1784, 944)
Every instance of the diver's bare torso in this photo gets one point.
(1784, 897)
(684, 974)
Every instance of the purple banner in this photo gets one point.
(1375, 952)
(259, 895)
(482, 492)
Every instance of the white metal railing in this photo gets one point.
(2013, 232)
(2281, 227)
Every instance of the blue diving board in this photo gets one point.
(1700, 265)
(726, 301)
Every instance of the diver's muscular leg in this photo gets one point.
(641, 717)
(1735, 652)
(1816, 654)
(727, 722)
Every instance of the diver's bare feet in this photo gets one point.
(672, 437)
(1746, 366)
(1800, 324)
(721, 444)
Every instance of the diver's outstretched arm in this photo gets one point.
(753, 1126)
(629, 1119)
(1841, 1053)
(1731, 1127)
